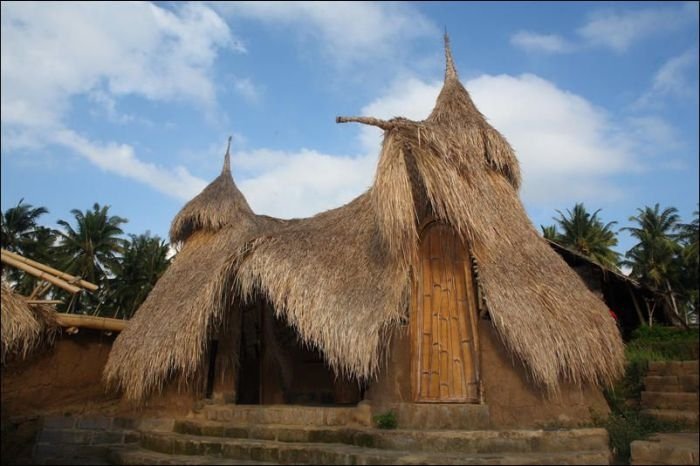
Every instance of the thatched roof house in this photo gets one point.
(24, 326)
(346, 279)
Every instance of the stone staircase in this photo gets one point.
(679, 448)
(228, 434)
(82, 440)
(671, 392)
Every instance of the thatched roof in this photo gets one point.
(24, 326)
(342, 277)
(221, 204)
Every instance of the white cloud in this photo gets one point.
(121, 160)
(69, 49)
(347, 31)
(409, 97)
(652, 132)
(302, 183)
(55, 52)
(677, 78)
(247, 89)
(568, 148)
(615, 30)
(534, 42)
(619, 30)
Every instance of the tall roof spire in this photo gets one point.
(450, 70)
(227, 158)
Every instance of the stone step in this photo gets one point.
(668, 400)
(82, 439)
(442, 416)
(673, 368)
(448, 441)
(141, 456)
(86, 437)
(100, 423)
(687, 418)
(672, 383)
(288, 415)
(324, 453)
(666, 449)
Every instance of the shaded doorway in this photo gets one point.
(277, 368)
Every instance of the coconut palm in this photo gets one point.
(144, 260)
(586, 233)
(549, 232)
(22, 234)
(18, 226)
(654, 259)
(90, 248)
(689, 237)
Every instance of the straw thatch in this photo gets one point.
(219, 205)
(342, 278)
(25, 326)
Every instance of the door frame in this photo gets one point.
(416, 344)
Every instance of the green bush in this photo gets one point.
(626, 423)
(386, 420)
(661, 343)
(629, 425)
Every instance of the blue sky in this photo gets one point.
(130, 104)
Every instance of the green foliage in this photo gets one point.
(549, 232)
(660, 343)
(626, 423)
(92, 246)
(586, 233)
(386, 420)
(626, 426)
(135, 274)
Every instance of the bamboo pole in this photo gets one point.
(85, 321)
(636, 304)
(383, 124)
(39, 274)
(62, 275)
(44, 301)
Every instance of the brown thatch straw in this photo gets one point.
(341, 278)
(217, 206)
(168, 336)
(24, 326)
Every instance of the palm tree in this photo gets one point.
(18, 225)
(550, 232)
(21, 233)
(689, 237)
(143, 262)
(654, 259)
(585, 233)
(90, 249)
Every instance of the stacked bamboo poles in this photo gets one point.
(65, 281)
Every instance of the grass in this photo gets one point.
(626, 423)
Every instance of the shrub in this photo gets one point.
(626, 423)
(629, 425)
(386, 420)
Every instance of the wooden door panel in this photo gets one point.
(443, 337)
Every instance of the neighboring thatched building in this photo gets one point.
(25, 327)
(431, 287)
(628, 299)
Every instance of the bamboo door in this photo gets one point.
(443, 321)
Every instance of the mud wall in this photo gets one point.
(512, 399)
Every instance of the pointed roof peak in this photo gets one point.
(227, 158)
(450, 70)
